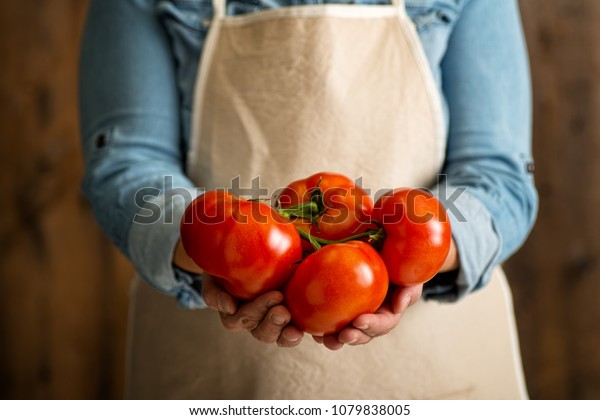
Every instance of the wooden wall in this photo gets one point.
(64, 288)
(556, 275)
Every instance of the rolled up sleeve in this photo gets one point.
(485, 77)
(130, 130)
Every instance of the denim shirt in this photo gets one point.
(138, 68)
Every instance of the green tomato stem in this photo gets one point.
(312, 210)
(308, 210)
(375, 235)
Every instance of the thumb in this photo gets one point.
(404, 297)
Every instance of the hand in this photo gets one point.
(368, 326)
(264, 317)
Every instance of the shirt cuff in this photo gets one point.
(152, 239)
(478, 243)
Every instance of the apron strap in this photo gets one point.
(220, 6)
(398, 3)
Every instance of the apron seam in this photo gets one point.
(433, 93)
(199, 94)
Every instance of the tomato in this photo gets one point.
(246, 244)
(418, 235)
(334, 285)
(341, 208)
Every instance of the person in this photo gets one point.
(182, 96)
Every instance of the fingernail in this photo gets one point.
(354, 340)
(278, 319)
(363, 327)
(273, 302)
(405, 304)
(292, 339)
(223, 304)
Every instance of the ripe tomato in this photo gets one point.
(418, 235)
(334, 285)
(341, 209)
(246, 244)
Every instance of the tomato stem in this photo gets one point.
(374, 235)
(308, 210)
(312, 210)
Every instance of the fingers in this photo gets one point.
(251, 314)
(269, 328)
(403, 297)
(290, 336)
(385, 319)
(265, 318)
(329, 341)
(275, 328)
(363, 329)
(377, 324)
(368, 326)
(216, 297)
(268, 320)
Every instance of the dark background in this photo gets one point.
(64, 287)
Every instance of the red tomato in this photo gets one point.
(418, 235)
(246, 244)
(344, 208)
(334, 285)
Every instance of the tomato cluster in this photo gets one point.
(326, 244)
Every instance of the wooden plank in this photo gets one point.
(64, 289)
(555, 275)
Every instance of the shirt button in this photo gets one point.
(530, 167)
(101, 141)
(443, 17)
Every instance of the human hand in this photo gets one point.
(264, 317)
(368, 326)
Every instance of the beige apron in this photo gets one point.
(282, 94)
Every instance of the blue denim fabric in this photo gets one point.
(138, 68)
